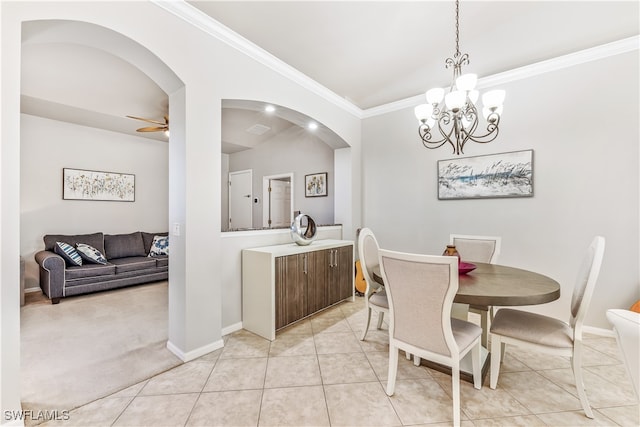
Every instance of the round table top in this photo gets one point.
(491, 284)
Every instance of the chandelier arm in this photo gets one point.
(492, 133)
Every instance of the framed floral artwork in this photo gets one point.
(315, 185)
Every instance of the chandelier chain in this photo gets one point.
(457, 29)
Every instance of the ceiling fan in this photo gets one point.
(162, 126)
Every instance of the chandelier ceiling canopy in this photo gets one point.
(454, 115)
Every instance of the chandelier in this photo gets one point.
(457, 118)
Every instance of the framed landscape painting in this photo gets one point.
(315, 185)
(490, 176)
(79, 184)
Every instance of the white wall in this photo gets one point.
(583, 125)
(48, 146)
(224, 192)
(295, 150)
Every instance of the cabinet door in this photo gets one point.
(317, 279)
(290, 289)
(340, 281)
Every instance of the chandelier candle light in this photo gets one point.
(457, 117)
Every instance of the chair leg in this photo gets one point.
(393, 370)
(455, 391)
(477, 370)
(496, 345)
(366, 327)
(380, 319)
(576, 364)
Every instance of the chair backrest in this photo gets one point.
(585, 283)
(420, 290)
(626, 324)
(368, 253)
(477, 248)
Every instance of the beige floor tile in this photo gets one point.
(512, 364)
(187, 378)
(536, 393)
(488, 403)
(154, 411)
(606, 345)
(245, 346)
(237, 374)
(574, 419)
(339, 342)
(519, 421)
(596, 357)
(102, 412)
(349, 308)
(360, 404)
(406, 370)
(345, 368)
(376, 340)
(292, 345)
(294, 406)
(302, 327)
(600, 391)
(292, 371)
(227, 408)
(212, 356)
(422, 402)
(130, 391)
(625, 416)
(536, 360)
(330, 323)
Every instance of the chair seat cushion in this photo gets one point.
(465, 333)
(379, 299)
(533, 328)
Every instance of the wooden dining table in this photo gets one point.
(499, 286)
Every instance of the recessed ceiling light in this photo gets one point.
(269, 108)
(312, 126)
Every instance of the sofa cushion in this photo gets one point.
(124, 265)
(162, 261)
(148, 239)
(89, 270)
(90, 254)
(160, 246)
(96, 240)
(123, 245)
(68, 252)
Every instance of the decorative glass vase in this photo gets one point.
(451, 250)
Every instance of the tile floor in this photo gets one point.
(318, 373)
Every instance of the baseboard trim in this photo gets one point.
(599, 331)
(231, 329)
(194, 354)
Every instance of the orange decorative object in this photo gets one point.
(360, 282)
(636, 307)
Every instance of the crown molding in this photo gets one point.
(581, 57)
(204, 22)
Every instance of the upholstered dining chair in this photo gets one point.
(375, 297)
(473, 248)
(545, 334)
(420, 290)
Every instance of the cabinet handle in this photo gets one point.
(335, 258)
(304, 268)
(330, 258)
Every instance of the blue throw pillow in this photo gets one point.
(68, 252)
(91, 254)
(160, 246)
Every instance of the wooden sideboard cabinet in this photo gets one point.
(282, 284)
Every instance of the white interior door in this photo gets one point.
(280, 203)
(240, 203)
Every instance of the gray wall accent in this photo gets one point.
(294, 150)
(583, 125)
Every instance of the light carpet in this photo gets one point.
(90, 346)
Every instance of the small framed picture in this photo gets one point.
(315, 185)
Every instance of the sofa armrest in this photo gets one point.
(52, 267)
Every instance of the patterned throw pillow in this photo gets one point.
(91, 254)
(68, 252)
(160, 246)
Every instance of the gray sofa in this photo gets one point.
(127, 257)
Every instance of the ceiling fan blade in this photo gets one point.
(152, 129)
(148, 120)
